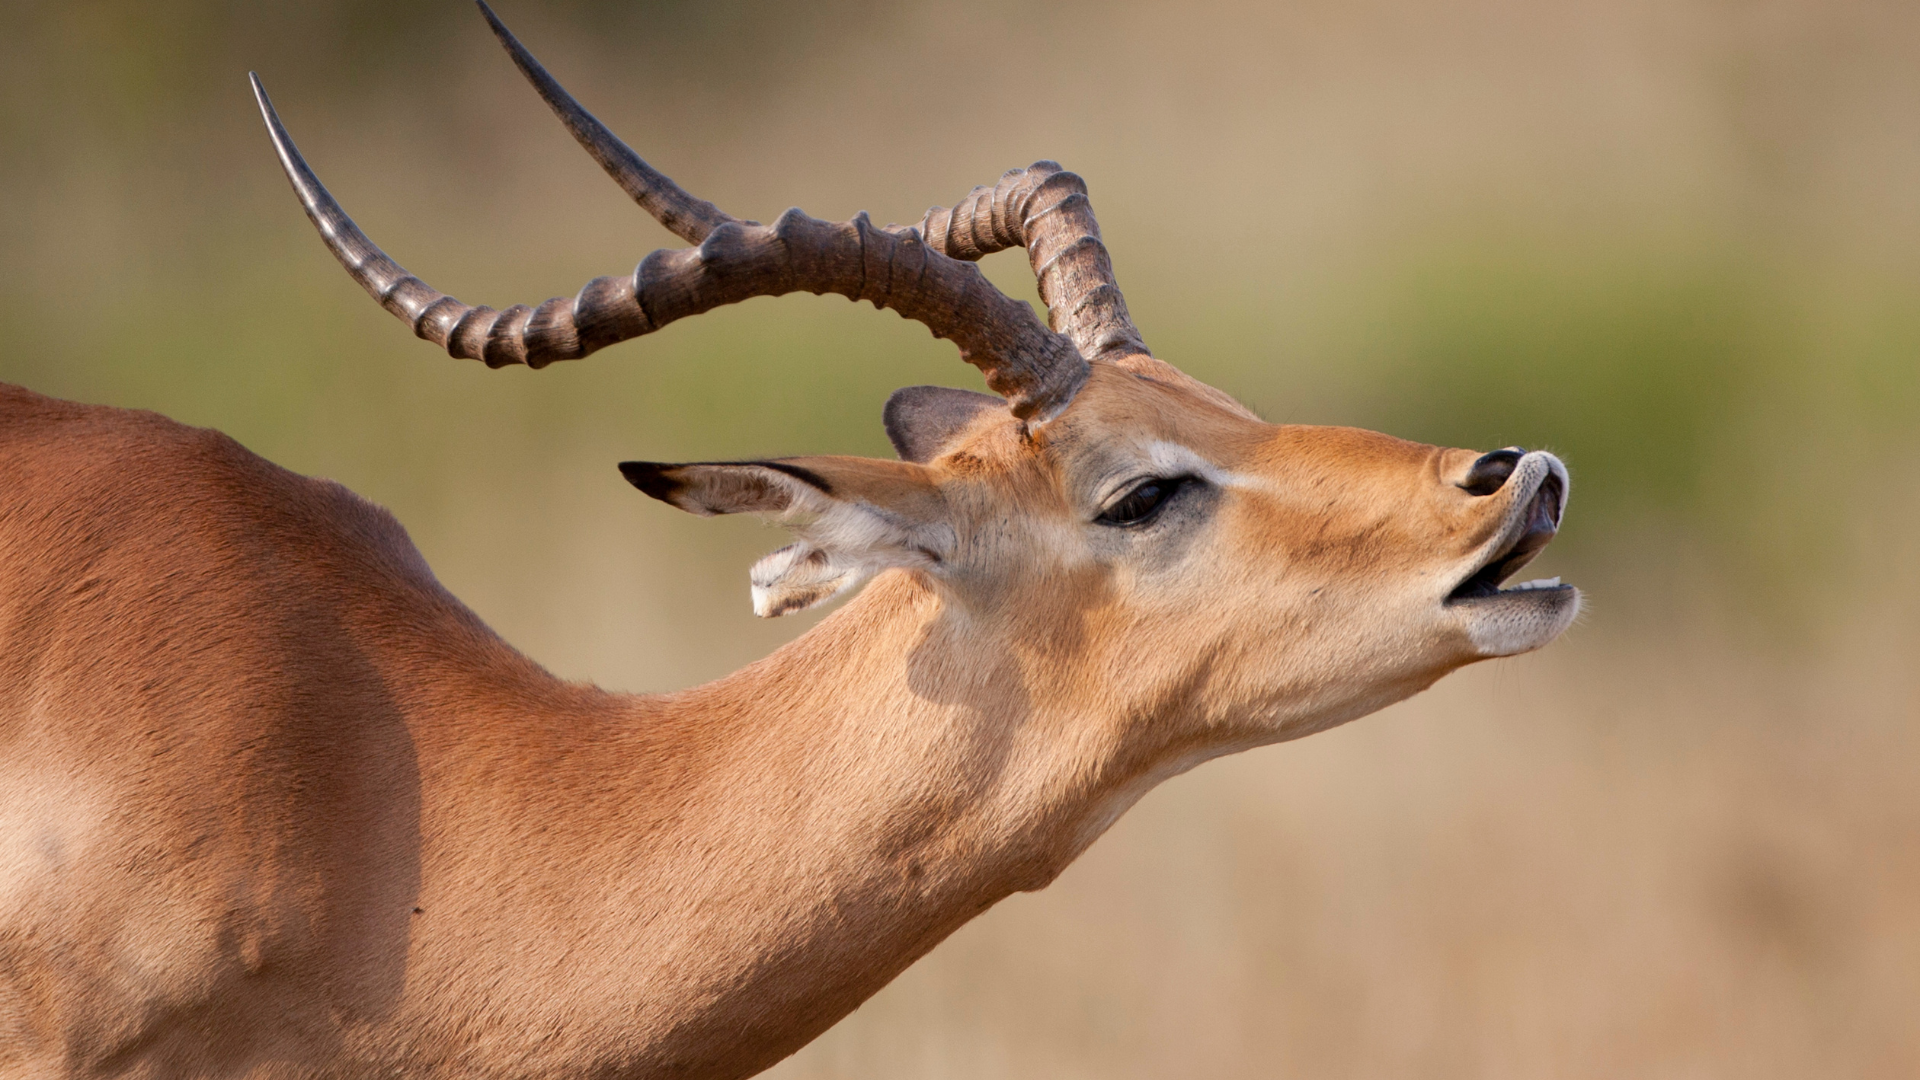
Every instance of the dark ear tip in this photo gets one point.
(650, 477)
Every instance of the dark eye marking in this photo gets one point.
(1142, 503)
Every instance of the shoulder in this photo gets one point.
(74, 472)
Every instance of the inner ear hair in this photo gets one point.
(800, 576)
(727, 487)
(922, 420)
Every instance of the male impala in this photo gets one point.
(273, 803)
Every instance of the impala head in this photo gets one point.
(1139, 537)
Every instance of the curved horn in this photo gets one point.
(686, 216)
(1037, 370)
(1045, 209)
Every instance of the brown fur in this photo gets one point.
(272, 802)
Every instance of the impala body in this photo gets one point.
(272, 802)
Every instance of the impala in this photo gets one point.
(274, 803)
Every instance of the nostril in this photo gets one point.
(1549, 499)
(1490, 473)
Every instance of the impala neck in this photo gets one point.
(900, 740)
(752, 858)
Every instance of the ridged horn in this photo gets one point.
(1037, 370)
(1045, 209)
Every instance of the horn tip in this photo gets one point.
(499, 28)
(271, 115)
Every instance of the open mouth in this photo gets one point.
(1537, 524)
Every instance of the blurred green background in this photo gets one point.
(1676, 242)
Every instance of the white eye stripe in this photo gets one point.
(1163, 460)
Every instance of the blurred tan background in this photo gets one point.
(1677, 241)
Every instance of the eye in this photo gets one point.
(1138, 506)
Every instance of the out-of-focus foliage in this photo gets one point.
(1677, 242)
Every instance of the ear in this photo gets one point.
(855, 517)
(921, 420)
